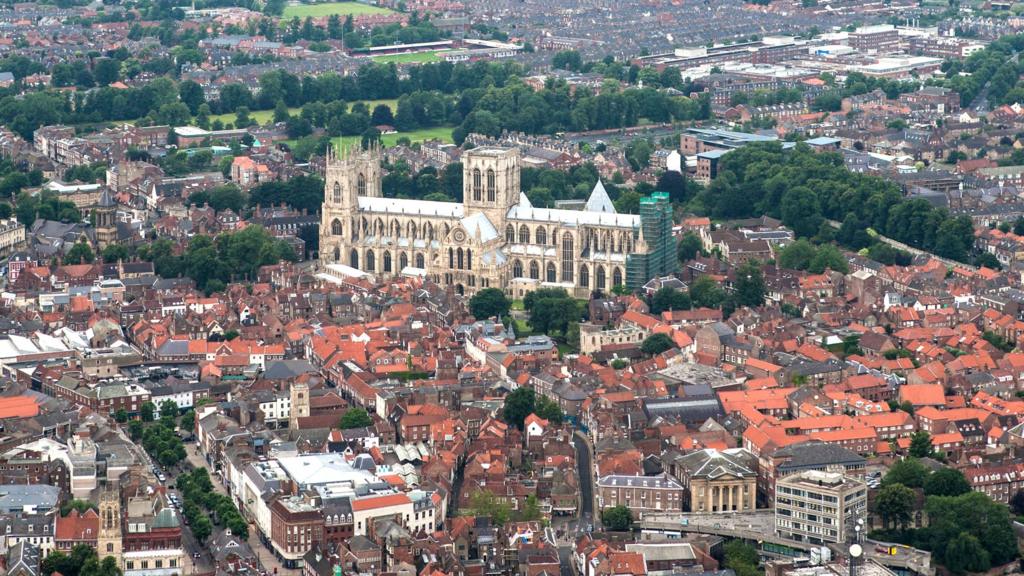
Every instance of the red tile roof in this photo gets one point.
(385, 501)
(77, 526)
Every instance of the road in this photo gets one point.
(564, 531)
(585, 470)
(980, 104)
(760, 526)
(264, 555)
(204, 562)
(567, 529)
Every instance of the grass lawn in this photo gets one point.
(260, 116)
(329, 8)
(264, 116)
(411, 57)
(444, 134)
(522, 328)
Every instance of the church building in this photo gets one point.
(494, 237)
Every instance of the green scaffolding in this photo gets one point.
(660, 257)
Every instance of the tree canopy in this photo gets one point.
(489, 303)
(212, 263)
(742, 558)
(895, 503)
(921, 444)
(749, 286)
(946, 482)
(522, 402)
(618, 518)
(803, 188)
(551, 309)
(656, 344)
(668, 298)
(355, 418)
(909, 472)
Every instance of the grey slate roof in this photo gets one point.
(712, 464)
(814, 454)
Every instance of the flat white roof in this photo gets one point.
(321, 469)
(68, 188)
(190, 131)
(336, 270)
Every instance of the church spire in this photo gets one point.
(599, 200)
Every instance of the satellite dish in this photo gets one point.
(856, 550)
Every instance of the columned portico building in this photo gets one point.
(717, 480)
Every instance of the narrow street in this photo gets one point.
(585, 469)
(566, 531)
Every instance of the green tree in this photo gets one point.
(567, 60)
(828, 257)
(750, 288)
(202, 528)
(921, 444)
(135, 429)
(382, 115)
(675, 184)
(946, 482)
(188, 421)
(638, 154)
(121, 416)
(80, 253)
(489, 303)
(281, 112)
(191, 95)
(531, 509)
(106, 71)
(370, 137)
(355, 418)
(549, 410)
(82, 506)
(147, 411)
(908, 472)
(72, 564)
(484, 503)
(964, 553)
(706, 293)
(550, 314)
(169, 409)
(797, 255)
(226, 197)
(1017, 502)
(741, 558)
(617, 518)
(114, 253)
(690, 246)
(669, 299)
(895, 503)
(519, 404)
(977, 515)
(800, 211)
(1018, 226)
(656, 344)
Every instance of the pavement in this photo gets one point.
(265, 556)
